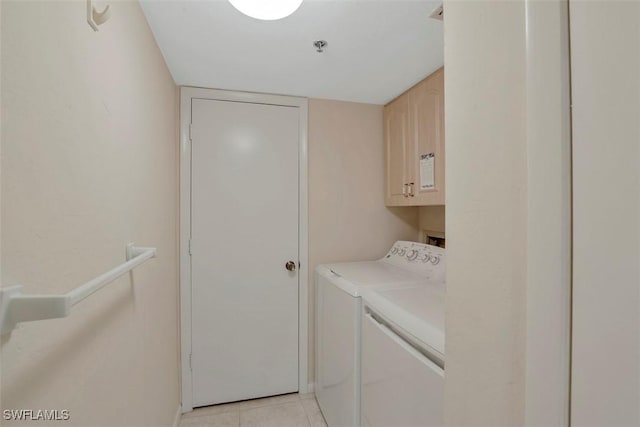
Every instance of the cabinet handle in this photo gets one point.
(411, 189)
(404, 190)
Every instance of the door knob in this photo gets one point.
(290, 265)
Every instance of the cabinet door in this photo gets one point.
(396, 125)
(426, 107)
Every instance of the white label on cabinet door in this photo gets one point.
(427, 179)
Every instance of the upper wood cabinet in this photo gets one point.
(396, 135)
(414, 131)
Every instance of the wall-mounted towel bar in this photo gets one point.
(95, 18)
(17, 307)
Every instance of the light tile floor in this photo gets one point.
(289, 410)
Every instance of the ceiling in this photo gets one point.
(376, 48)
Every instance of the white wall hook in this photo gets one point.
(95, 18)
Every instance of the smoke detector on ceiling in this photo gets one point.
(320, 45)
(438, 13)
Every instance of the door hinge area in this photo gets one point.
(190, 365)
(191, 132)
(189, 247)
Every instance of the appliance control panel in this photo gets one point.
(418, 257)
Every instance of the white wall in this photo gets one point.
(347, 217)
(89, 163)
(486, 216)
(605, 70)
(1, 115)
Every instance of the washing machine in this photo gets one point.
(339, 289)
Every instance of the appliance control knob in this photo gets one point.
(435, 260)
(412, 255)
(394, 250)
(426, 258)
(401, 252)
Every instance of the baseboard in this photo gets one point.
(178, 417)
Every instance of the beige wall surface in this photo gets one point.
(432, 219)
(89, 163)
(486, 212)
(347, 217)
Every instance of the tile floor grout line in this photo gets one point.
(306, 412)
(237, 406)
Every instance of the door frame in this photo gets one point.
(549, 214)
(186, 95)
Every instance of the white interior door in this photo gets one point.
(605, 80)
(244, 229)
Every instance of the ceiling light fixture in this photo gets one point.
(267, 10)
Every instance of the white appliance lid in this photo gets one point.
(418, 310)
(372, 274)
